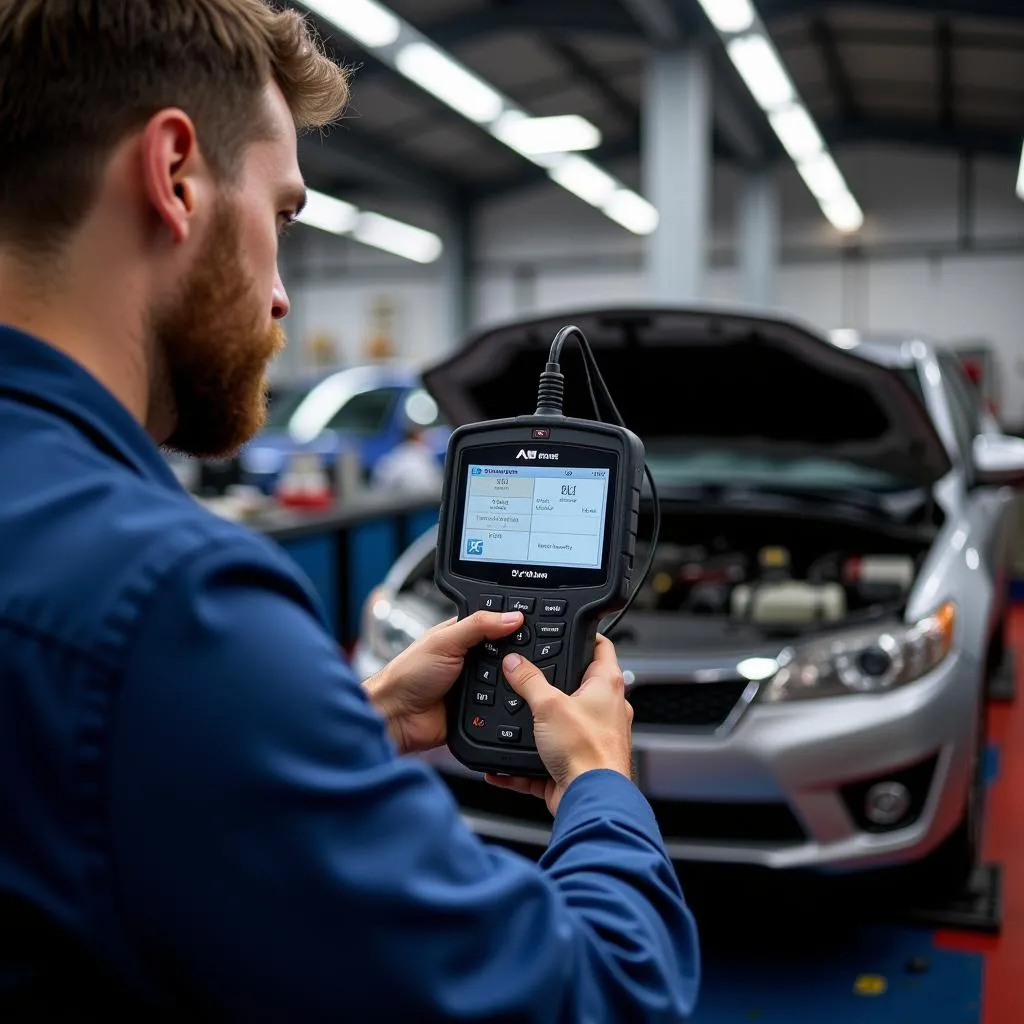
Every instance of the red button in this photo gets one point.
(541, 433)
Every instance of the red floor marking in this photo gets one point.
(1004, 842)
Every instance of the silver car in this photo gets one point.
(808, 658)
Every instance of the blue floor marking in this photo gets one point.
(815, 985)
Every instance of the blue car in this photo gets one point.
(366, 409)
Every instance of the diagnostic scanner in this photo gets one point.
(539, 515)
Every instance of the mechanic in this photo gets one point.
(203, 814)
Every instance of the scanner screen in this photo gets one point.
(535, 515)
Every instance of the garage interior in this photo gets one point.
(782, 224)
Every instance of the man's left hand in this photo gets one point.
(409, 691)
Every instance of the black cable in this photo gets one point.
(550, 397)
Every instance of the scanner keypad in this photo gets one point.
(493, 706)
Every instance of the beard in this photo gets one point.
(214, 348)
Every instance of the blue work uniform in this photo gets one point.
(203, 817)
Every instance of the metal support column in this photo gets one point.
(458, 274)
(758, 238)
(677, 159)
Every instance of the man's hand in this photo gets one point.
(409, 691)
(590, 729)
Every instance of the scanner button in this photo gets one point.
(487, 673)
(550, 673)
(521, 604)
(521, 637)
(513, 705)
(483, 696)
(548, 650)
(548, 629)
(552, 609)
(492, 602)
(509, 733)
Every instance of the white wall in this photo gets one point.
(542, 251)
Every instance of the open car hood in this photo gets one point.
(773, 387)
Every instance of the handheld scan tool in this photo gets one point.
(539, 515)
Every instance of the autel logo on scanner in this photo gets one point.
(533, 455)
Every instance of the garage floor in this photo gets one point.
(794, 960)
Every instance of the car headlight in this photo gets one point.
(387, 628)
(875, 659)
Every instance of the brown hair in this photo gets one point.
(76, 76)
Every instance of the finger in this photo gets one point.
(467, 633)
(606, 663)
(528, 681)
(529, 787)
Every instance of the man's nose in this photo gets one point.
(280, 303)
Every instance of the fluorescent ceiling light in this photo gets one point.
(822, 177)
(341, 218)
(729, 16)
(405, 49)
(797, 132)
(760, 68)
(328, 214)
(535, 136)
(584, 179)
(450, 82)
(1020, 175)
(758, 63)
(364, 20)
(844, 213)
(633, 212)
(398, 238)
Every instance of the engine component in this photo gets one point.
(708, 599)
(774, 560)
(784, 602)
(879, 577)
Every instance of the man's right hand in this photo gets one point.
(592, 728)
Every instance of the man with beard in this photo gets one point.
(203, 815)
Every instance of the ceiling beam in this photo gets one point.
(1011, 10)
(656, 18)
(793, 37)
(594, 78)
(348, 154)
(839, 80)
(960, 138)
(569, 16)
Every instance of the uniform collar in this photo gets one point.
(38, 374)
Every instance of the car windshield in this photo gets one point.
(678, 465)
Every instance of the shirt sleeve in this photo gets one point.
(278, 861)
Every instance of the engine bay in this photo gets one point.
(758, 574)
(781, 574)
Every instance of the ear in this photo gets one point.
(171, 160)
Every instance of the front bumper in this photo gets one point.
(783, 786)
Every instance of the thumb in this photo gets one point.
(528, 681)
(461, 637)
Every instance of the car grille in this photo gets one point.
(685, 820)
(693, 705)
